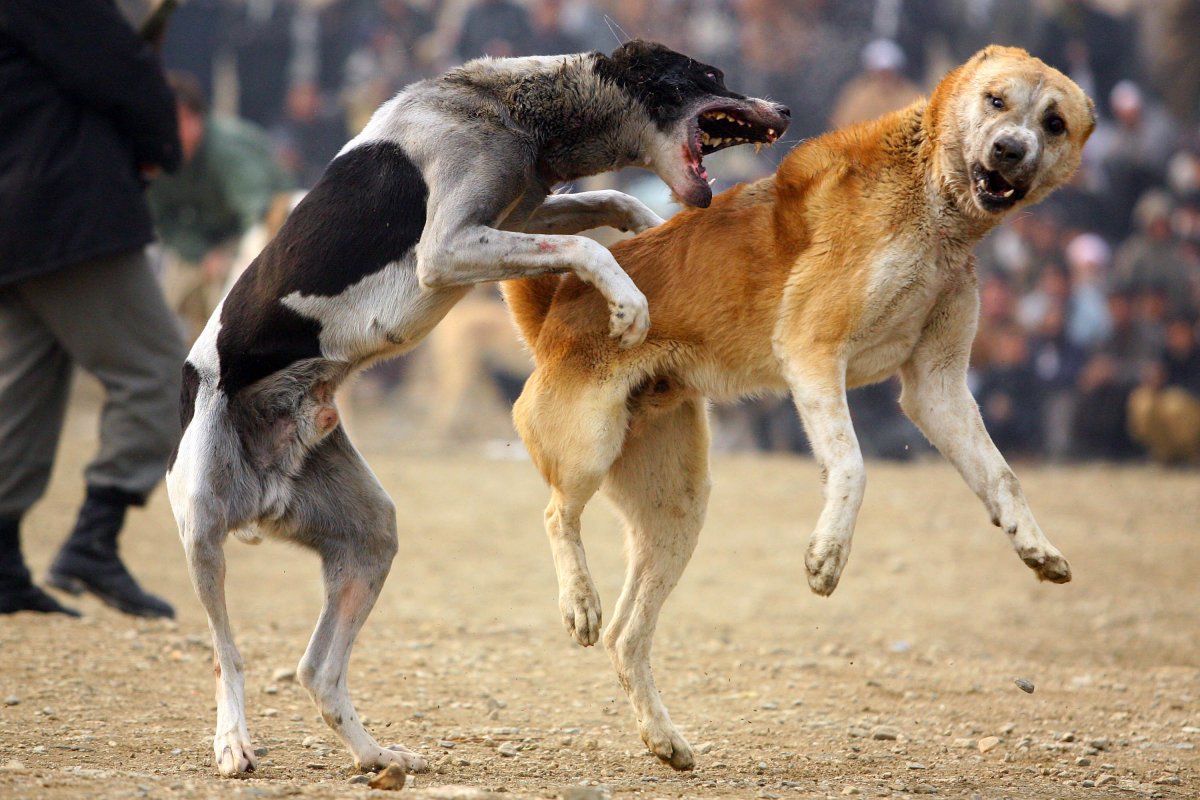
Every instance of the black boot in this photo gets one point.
(17, 592)
(88, 560)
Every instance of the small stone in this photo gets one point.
(885, 733)
(261, 751)
(1083, 761)
(446, 743)
(988, 743)
(270, 712)
(270, 690)
(857, 733)
(1024, 685)
(915, 765)
(1067, 737)
(1087, 784)
(13, 764)
(39, 749)
(360, 779)
(391, 779)
(851, 790)
(964, 744)
(312, 741)
(1106, 780)
(1100, 743)
(177, 751)
(704, 749)
(924, 788)
(1169, 780)
(1008, 728)
(761, 766)
(508, 750)
(48, 711)
(583, 793)
(316, 765)
(283, 675)
(12, 700)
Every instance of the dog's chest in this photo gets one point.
(903, 289)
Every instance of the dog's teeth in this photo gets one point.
(1008, 193)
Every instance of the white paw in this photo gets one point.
(580, 607)
(629, 318)
(234, 754)
(824, 561)
(644, 220)
(380, 757)
(1048, 563)
(666, 743)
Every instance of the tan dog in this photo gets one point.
(852, 262)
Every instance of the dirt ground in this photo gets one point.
(784, 694)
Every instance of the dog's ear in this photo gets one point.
(1091, 107)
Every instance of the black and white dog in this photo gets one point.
(447, 186)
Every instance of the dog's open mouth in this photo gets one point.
(993, 192)
(722, 125)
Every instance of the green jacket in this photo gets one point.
(221, 193)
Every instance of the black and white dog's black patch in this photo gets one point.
(447, 186)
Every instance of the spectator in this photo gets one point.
(86, 116)
(880, 88)
(227, 184)
(1088, 324)
(1057, 362)
(496, 28)
(1149, 257)
(1164, 412)
(546, 35)
(310, 134)
(1008, 394)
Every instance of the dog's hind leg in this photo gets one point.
(203, 533)
(660, 484)
(573, 441)
(340, 510)
(937, 399)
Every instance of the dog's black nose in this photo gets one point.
(783, 110)
(1009, 150)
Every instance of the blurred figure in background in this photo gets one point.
(1164, 412)
(310, 134)
(498, 28)
(86, 117)
(1008, 394)
(880, 88)
(227, 185)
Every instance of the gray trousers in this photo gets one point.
(109, 317)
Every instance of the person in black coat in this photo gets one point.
(85, 118)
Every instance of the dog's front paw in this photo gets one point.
(824, 561)
(1048, 563)
(666, 743)
(580, 607)
(643, 219)
(629, 319)
(234, 754)
(380, 757)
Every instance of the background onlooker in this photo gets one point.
(226, 186)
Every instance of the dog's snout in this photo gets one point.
(783, 110)
(1009, 151)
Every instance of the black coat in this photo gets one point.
(83, 105)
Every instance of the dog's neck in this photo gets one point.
(942, 166)
(580, 123)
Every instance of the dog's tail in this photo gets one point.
(529, 302)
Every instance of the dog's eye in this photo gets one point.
(1054, 125)
(996, 102)
(715, 75)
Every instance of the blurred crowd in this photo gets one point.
(1088, 330)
